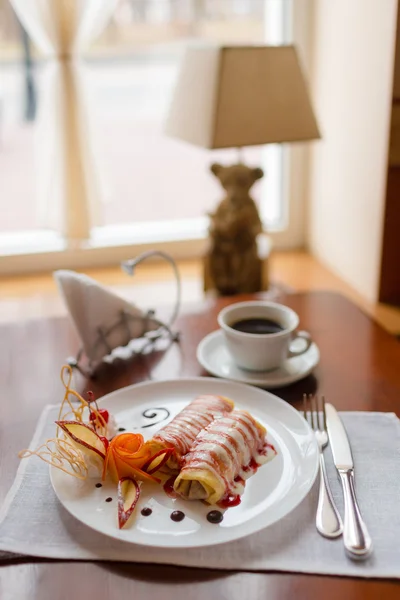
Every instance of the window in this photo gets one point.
(17, 113)
(155, 189)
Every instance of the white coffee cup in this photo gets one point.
(262, 351)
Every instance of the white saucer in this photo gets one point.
(213, 355)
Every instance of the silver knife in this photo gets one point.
(357, 541)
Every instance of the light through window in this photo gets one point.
(151, 184)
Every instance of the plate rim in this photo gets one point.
(200, 544)
(261, 383)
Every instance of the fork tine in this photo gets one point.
(312, 409)
(305, 407)
(324, 412)
(316, 408)
(321, 412)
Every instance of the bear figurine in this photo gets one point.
(232, 264)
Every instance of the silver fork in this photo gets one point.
(328, 521)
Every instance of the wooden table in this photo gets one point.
(359, 370)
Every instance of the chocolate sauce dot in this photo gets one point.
(215, 516)
(177, 515)
(146, 512)
(121, 429)
(108, 499)
(99, 485)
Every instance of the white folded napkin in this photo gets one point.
(93, 307)
(33, 522)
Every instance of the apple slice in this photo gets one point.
(128, 495)
(87, 439)
(157, 461)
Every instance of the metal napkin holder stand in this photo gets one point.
(150, 337)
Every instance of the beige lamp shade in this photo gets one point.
(241, 96)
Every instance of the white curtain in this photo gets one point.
(68, 185)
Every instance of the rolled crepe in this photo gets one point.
(223, 456)
(181, 432)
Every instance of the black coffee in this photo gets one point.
(257, 325)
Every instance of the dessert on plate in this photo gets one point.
(182, 431)
(223, 456)
(210, 447)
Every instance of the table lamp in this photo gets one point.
(239, 96)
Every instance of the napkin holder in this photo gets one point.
(109, 326)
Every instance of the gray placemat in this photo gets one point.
(32, 522)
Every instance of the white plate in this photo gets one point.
(214, 356)
(273, 492)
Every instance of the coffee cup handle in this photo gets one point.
(304, 335)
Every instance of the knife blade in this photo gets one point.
(341, 451)
(357, 541)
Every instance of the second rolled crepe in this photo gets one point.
(182, 431)
(223, 456)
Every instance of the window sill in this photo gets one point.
(41, 250)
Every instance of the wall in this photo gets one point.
(352, 79)
(396, 81)
(389, 287)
